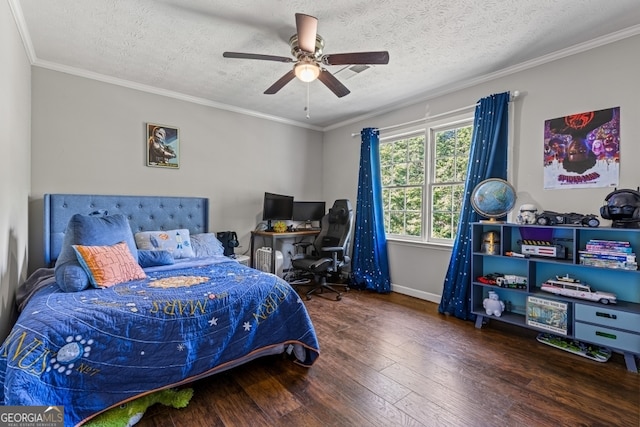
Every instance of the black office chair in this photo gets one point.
(330, 252)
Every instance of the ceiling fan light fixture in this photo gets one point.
(307, 71)
(306, 47)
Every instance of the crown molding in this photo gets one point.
(445, 90)
(16, 11)
(163, 92)
(424, 97)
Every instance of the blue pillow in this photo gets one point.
(152, 258)
(89, 231)
(206, 245)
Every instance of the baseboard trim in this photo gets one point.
(416, 293)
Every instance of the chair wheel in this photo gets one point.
(308, 297)
(339, 297)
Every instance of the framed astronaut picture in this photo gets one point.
(162, 146)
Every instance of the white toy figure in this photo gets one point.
(493, 305)
(527, 214)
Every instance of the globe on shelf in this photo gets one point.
(493, 198)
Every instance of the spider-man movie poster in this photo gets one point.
(582, 150)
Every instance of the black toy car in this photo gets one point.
(568, 219)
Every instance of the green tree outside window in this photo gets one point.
(422, 194)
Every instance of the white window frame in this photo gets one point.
(428, 130)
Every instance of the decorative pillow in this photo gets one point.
(109, 265)
(86, 230)
(153, 258)
(177, 242)
(206, 245)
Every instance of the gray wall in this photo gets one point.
(15, 122)
(64, 133)
(600, 78)
(90, 137)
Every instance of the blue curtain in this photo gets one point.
(370, 266)
(488, 159)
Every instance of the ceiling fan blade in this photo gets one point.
(307, 28)
(333, 84)
(256, 56)
(380, 57)
(280, 83)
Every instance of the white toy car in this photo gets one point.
(571, 287)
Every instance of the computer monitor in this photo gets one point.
(308, 211)
(276, 207)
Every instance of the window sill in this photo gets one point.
(420, 244)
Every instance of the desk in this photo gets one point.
(274, 238)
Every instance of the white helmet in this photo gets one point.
(527, 214)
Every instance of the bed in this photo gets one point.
(189, 317)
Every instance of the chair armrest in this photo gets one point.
(332, 249)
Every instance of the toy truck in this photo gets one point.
(512, 281)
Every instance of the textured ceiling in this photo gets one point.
(175, 46)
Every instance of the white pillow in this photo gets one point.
(177, 242)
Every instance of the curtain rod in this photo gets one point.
(515, 94)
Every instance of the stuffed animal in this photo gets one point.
(493, 305)
(130, 413)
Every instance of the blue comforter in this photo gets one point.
(94, 349)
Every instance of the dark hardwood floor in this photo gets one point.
(393, 360)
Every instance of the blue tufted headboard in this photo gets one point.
(145, 213)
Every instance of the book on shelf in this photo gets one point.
(606, 263)
(612, 256)
(615, 254)
(610, 242)
(609, 248)
(609, 245)
(548, 315)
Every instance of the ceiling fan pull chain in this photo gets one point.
(307, 107)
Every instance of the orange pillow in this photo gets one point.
(109, 265)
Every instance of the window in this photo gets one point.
(423, 175)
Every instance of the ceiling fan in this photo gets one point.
(306, 47)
